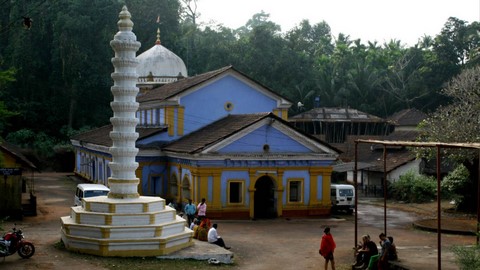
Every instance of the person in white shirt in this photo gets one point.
(214, 238)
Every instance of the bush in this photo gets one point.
(467, 257)
(455, 182)
(414, 188)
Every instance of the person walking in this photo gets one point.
(327, 247)
(190, 211)
(202, 209)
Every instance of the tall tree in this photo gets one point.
(458, 122)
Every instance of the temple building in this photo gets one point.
(221, 136)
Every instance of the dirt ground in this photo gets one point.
(261, 244)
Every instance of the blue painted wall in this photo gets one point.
(244, 98)
(149, 170)
(254, 142)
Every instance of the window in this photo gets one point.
(294, 190)
(235, 192)
(228, 106)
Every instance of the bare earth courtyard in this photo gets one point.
(261, 244)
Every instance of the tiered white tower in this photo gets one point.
(124, 223)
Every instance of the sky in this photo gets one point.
(369, 20)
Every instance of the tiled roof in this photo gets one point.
(101, 135)
(408, 117)
(395, 159)
(402, 135)
(171, 89)
(16, 151)
(336, 114)
(215, 132)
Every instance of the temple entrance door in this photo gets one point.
(264, 198)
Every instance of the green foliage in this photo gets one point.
(455, 182)
(58, 72)
(28, 139)
(457, 121)
(467, 257)
(7, 76)
(414, 188)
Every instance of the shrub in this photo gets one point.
(414, 188)
(455, 182)
(467, 257)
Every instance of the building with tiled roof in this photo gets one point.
(341, 127)
(18, 183)
(224, 137)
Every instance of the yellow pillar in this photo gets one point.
(251, 190)
(314, 173)
(170, 120)
(180, 120)
(193, 188)
(216, 192)
(280, 191)
(202, 191)
(326, 186)
(285, 114)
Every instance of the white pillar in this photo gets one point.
(123, 181)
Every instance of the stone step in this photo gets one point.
(161, 230)
(140, 247)
(82, 216)
(103, 204)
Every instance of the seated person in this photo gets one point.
(214, 238)
(368, 249)
(203, 229)
(392, 252)
(359, 255)
(195, 229)
(194, 222)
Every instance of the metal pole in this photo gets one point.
(439, 212)
(356, 194)
(385, 189)
(478, 199)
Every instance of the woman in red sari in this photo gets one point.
(327, 246)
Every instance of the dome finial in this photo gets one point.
(158, 42)
(158, 37)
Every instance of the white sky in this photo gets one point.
(380, 20)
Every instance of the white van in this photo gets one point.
(342, 197)
(89, 190)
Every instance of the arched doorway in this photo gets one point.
(185, 190)
(264, 198)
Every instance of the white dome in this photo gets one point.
(158, 61)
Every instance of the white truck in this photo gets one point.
(89, 190)
(342, 197)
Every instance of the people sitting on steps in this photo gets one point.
(364, 252)
(380, 261)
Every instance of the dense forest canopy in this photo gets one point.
(55, 75)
